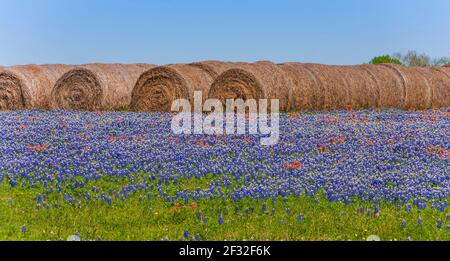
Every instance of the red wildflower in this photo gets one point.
(116, 138)
(24, 127)
(294, 165)
(335, 140)
(323, 149)
(137, 137)
(85, 149)
(371, 142)
(246, 140)
(438, 150)
(38, 147)
(193, 205)
(201, 144)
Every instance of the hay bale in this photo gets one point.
(28, 86)
(402, 82)
(433, 83)
(441, 87)
(305, 94)
(157, 88)
(97, 86)
(417, 89)
(389, 83)
(260, 80)
(332, 88)
(360, 87)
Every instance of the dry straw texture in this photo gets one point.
(305, 88)
(28, 86)
(253, 81)
(362, 87)
(417, 90)
(157, 88)
(97, 86)
(441, 87)
(389, 85)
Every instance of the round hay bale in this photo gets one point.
(441, 87)
(372, 86)
(157, 88)
(418, 94)
(361, 87)
(402, 82)
(433, 84)
(97, 86)
(389, 84)
(332, 87)
(305, 87)
(417, 89)
(260, 80)
(28, 86)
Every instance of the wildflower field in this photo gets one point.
(338, 175)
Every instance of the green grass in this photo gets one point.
(133, 220)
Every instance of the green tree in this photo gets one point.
(384, 59)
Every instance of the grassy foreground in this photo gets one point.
(140, 218)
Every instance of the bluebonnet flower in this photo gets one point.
(439, 224)
(24, 229)
(299, 218)
(288, 211)
(403, 223)
(419, 221)
(220, 220)
(186, 234)
(376, 211)
(199, 215)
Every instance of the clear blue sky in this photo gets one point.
(172, 31)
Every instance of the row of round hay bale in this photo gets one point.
(157, 88)
(298, 86)
(28, 86)
(260, 80)
(97, 86)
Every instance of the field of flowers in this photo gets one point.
(124, 176)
